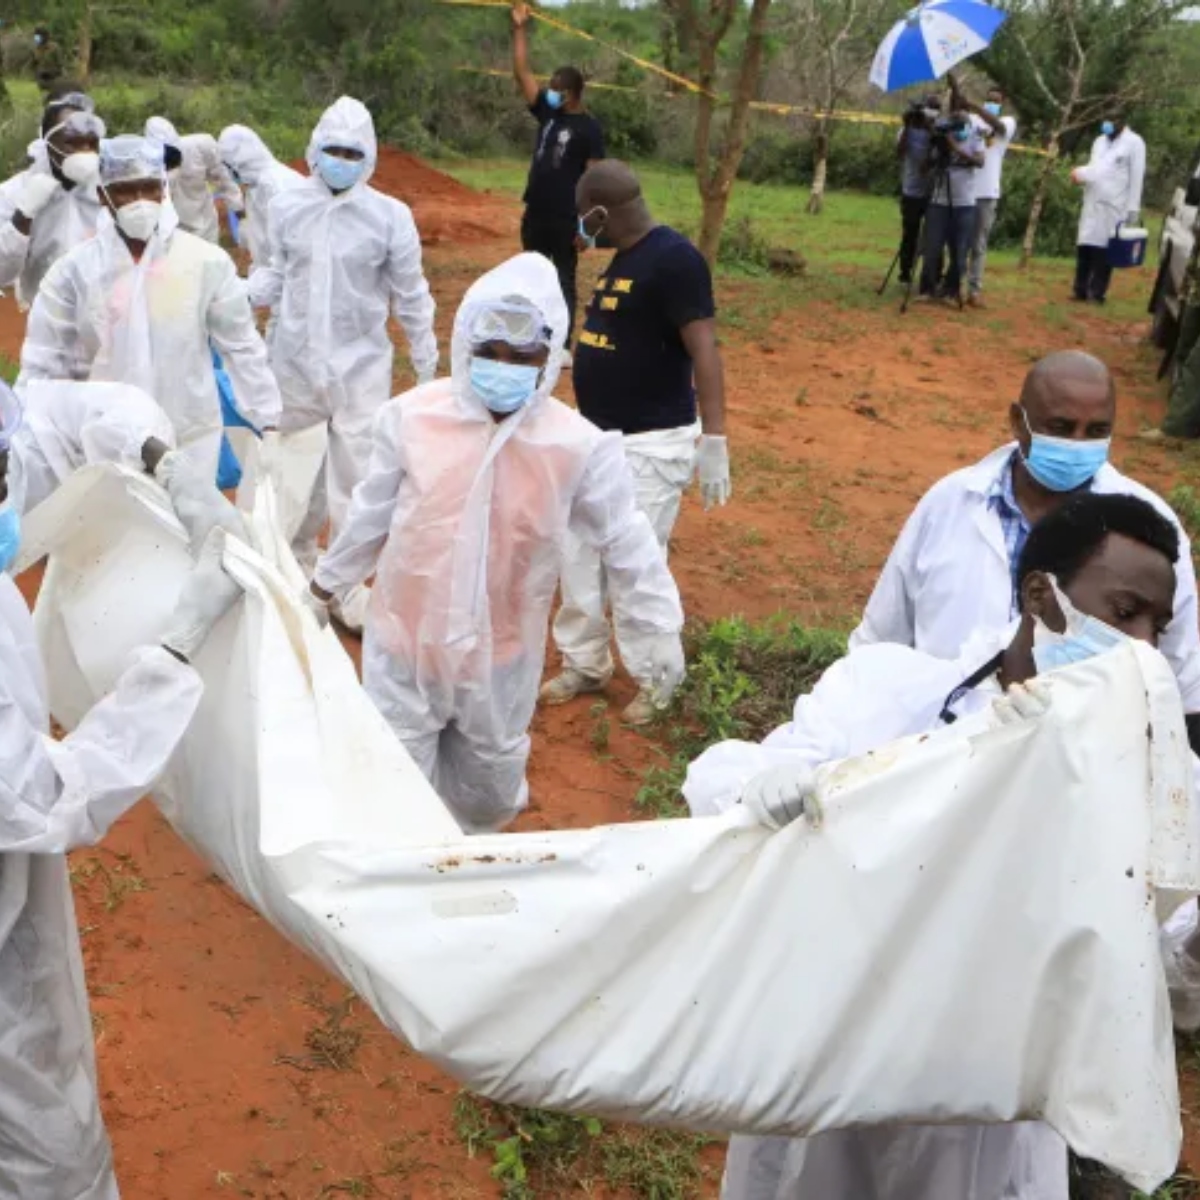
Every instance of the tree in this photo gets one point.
(1066, 63)
(715, 174)
(833, 44)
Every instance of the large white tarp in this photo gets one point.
(969, 934)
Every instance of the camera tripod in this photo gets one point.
(941, 175)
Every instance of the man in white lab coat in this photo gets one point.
(1112, 195)
(952, 570)
(1092, 573)
(55, 796)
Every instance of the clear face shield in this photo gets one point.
(514, 321)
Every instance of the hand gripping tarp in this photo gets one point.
(970, 933)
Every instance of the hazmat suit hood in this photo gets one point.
(159, 129)
(243, 151)
(346, 122)
(528, 277)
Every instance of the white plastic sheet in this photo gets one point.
(970, 934)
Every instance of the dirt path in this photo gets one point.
(230, 1064)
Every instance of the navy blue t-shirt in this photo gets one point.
(632, 370)
(566, 143)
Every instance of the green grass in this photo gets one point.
(743, 680)
(539, 1154)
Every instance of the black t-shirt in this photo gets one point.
(632, 370)
(566, 143)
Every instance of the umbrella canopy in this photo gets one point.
(933, 39)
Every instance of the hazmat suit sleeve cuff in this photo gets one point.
(112, 759)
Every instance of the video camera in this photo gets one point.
(945, 134)
(918, 114)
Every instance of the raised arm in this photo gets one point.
(524, 76)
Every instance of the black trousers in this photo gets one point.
(1092, 272)
(912, 213)
(555, 238)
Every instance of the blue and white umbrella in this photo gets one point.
(932, 39)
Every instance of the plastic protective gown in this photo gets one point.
(336, 266)
(262, 177)
(201, 168)
(55, 796)
(71, 217)
(869, 698)
(67, 426)
(1112, 186)
(102, 316)
(465, 517)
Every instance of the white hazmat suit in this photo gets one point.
(262, 177)
(464, 518)
(69, 218)
(1112, 186)
(337, 265)
(152, 323)
(869, 698)
(200, 176)
(950, 574)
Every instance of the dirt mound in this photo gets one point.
(446, 211)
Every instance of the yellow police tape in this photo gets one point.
(779, 110)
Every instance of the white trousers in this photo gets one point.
(662, 463)
(457, 736)
(1022, 1161)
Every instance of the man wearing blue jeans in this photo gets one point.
(950, 218)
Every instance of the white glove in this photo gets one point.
(780, 795)
(315, 605)
(1022, 702)
(1131, 217)
(198, 504)
(667, 667)
(712, 466)
(207, 596)
(37, 191)
(427, 374)
(270, 458)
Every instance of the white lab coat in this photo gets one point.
(71, 425)
(337, 266)
(71, 217)
(1112, 188)
(262, 177)
(463, 519)
(870, 698)
(57, 796)
(949, 575)
(101, 316)
(200, 176)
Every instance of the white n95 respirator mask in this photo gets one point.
(139, 220)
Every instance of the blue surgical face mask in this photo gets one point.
(1064, 464)
(1107, 128)
(1083, 638)
(554, 98)
(10, 534)
(992, 108)
(503, 387)
(961, 135)
(340, 174)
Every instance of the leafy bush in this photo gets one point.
(1060, 215)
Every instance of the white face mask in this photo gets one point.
(139, 220)
(82, 168)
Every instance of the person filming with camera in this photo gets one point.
(912, 149)
(956, 153)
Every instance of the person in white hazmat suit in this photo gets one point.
(474, 483)
(341, 257)
(53, 205)
(261, 177)
(197, 177)
(1112, 194)
(54, 797)
(1093, 573)
(143, 303)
